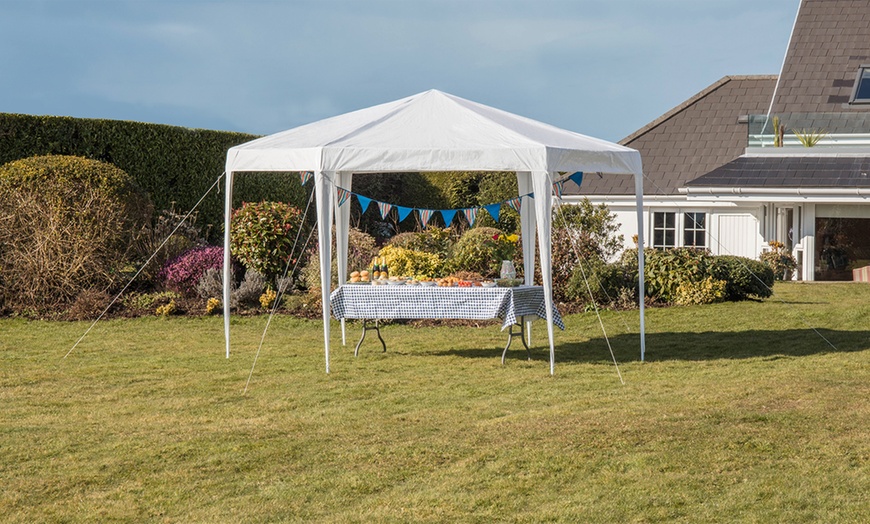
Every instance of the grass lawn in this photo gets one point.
(742, 413)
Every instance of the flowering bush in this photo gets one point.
(703, 291)
(182, 273)
(482, 249)
(166, 309)
(779, 260)
(431, 240)
(262, 235)
(360, 250)
(412, 263)
(212, 306)
(267, 299)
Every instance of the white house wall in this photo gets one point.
(731, 230)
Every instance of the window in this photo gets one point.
(861, 94)
(667, 223)
(695, 229)
(664, 229)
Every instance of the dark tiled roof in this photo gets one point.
(698, 135)
(789, 172)
(831, 40)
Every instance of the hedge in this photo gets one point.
(175, 165)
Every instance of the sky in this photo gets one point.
(603, 68)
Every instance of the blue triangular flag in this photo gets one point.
(577, 177)
(404, 212)
(494, 210)
(364, 202)
(447, 215)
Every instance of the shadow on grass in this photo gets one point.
(686, 346)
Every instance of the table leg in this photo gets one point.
(366, 327)
(511, 334)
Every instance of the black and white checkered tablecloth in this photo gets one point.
(412, 302)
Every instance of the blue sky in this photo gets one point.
(599, 67)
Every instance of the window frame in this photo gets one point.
(862, 76)
(683, 222)
(690, 225)
(664, 229)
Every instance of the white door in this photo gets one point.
(738, 235)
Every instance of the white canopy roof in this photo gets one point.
(431, 131)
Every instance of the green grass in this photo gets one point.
(741, 413)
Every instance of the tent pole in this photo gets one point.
(227, 288)
(638, 192)
(527, 230)
(544, 210)
(342, 225)
(325, 195)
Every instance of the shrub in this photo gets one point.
(267, 299)
(587, 233)
(594, 226)
(88, 305)
(690, 276)
(478, 188)
(147, 302)
(435, 240)
(166, 239)
(66, 224)
(173, 164)
(744, 277)
(166, 309)
(701, 292)
(249, 291)
(262, 236)
(780, 260)
(212, 306)
(361, 249)
(411, 263)
(481, 250)
(666, 269)
(211, 284)
(612, 285)
(183, 273)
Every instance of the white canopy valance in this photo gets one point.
(431, 131)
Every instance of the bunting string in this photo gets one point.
(448, 215)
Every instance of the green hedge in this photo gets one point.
(173, 164)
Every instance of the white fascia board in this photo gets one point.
(651, 201)
(773, 194)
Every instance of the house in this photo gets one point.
(719, 176)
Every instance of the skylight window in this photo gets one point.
(862, 87)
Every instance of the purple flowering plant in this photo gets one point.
(183, 272)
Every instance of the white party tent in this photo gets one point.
(430, 131)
